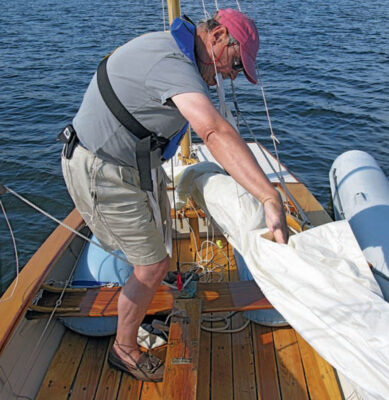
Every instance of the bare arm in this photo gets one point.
(228, 148)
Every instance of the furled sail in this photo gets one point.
(320, 282)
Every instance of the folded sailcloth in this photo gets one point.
(320, 281)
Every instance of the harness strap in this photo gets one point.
(148, 141)
(115, 105)
(142, 151)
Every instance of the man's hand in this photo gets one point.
(275, 219)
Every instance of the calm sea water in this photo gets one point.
(324, 66)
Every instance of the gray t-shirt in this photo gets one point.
(144, 73)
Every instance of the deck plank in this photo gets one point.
(109, 380)
(60, 375)
(320, 376)
(204, 376)
(180, 380)
(152, 391)
(221, 361)
(129, 389)
(243, 362)
(265, 363)
(221, 369)
(289, 364)
(88, 375)
(242, 354)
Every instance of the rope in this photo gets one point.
(206, 260)
(227, 324)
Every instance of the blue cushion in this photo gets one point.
(96, 267)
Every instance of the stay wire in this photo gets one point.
(59, 301)
(275, 140)
(35, 207)
(16, 281)
(163, 15)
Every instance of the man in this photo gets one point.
(162, 79)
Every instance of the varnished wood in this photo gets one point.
(109, 380)
(182, 359)
(33, 275)
(315, 212)
(221, 366)
(243, 361)
(216, 297)
(320, 376)
(129, 388)
(194, 236)
(221, 361)
(290, 369)
(204, 382)
(242, 354)
(58, 380)
(152, 391)
(265, 363)
(188, 213)
(226, 368)
(88, 375)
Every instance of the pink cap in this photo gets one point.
(243, 30)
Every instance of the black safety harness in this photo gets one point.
(148, 141)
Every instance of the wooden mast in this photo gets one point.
(174, 11)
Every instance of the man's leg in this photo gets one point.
(133, 303)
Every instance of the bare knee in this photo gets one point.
(153, 273)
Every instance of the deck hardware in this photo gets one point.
(189, 291)
(43, 309)
(180, 361)
(56, 289)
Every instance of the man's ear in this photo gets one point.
(219, 34)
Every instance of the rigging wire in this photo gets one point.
(35, 207)
(275, 141)
(163, 15)
(206, 14)
(33, 354)
(16, 280)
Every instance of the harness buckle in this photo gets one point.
(70, 140)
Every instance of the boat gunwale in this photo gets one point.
(33, 275)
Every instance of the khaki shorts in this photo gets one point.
(114, 207)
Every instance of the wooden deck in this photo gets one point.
(256, 363)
